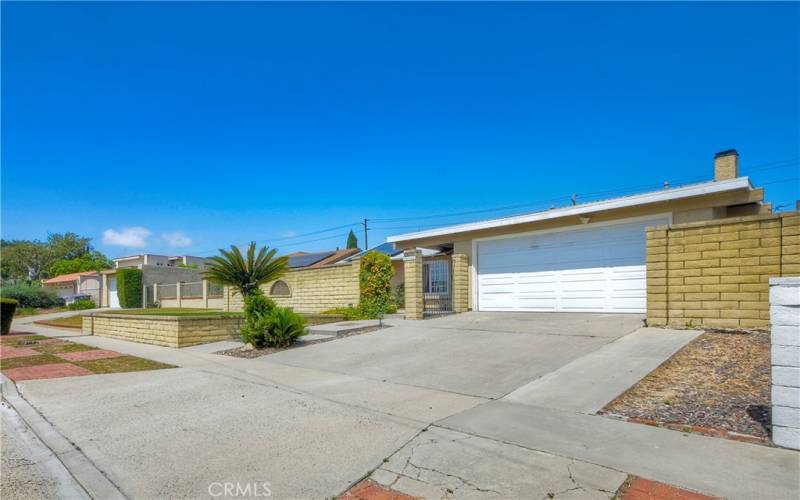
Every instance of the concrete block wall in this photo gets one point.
(784, 299)
(412, 263)
(460, 283)
(716, 273)
(311, 290)
(168, 331)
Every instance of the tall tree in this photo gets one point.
(32, 260)
(246, 273)
(352, 240)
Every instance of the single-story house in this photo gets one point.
(587, 257)
(68, 285)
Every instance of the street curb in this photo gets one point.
(88, 476)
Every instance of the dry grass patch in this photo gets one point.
(68, 322)
(21, 362)
(121, 364)
(720, 380)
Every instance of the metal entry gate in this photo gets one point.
(437, 287)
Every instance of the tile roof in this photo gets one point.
(66, 278)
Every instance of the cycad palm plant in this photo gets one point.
(246, 273)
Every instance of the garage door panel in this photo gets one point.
(591, 269)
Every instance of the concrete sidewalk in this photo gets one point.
(588, 383)
(713, 466)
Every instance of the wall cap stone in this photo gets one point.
(730, 220)
(221, 315)
(785, 281)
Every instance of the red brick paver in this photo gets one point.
(88, 355)
(644, 489)
(56, 370)
(7, 352)
(370, 490)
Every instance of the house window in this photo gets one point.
(436, 277)
(280, 289)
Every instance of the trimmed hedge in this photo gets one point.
(31, 296)
(375, 284)
(7, 308)
(129, 288)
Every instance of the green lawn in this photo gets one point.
(69, 322)
(176, 311)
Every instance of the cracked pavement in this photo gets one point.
(441, 463)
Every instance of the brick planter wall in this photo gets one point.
(169, 331)
(716, 273)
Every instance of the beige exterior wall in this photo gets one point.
(312, 290)
(169, 331)
(716, 273)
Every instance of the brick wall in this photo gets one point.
(716, 273)
(312, 290)
(412, 262)
(169, 331)
(460, 283)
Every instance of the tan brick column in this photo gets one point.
(460, 282)
(412, 263)
(657, 276)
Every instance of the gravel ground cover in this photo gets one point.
(720, 381)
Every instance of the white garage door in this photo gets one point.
(591, 269)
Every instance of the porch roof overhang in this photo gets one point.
(664, 195)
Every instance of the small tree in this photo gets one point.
(375, 284)
(246, 273)
(352, 240)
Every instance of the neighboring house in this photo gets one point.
(587, 257)
(149, 259)
(69, 285)
(300, 260)
(156, 270)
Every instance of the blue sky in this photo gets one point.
(206, 124)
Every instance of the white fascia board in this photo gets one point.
(706, 188)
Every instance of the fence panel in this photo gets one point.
(167, 292)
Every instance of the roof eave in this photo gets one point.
(610, 204)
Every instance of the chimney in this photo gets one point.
(726, 165)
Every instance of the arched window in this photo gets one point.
(280, 289)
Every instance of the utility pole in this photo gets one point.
(366, 241)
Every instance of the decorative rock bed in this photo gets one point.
(169, 331)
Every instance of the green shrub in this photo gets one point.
(280, 327)
(349, 313)
(82, 304)
(31, 296)
(375, 284)
(7, 308)
(400, 296)
(256, 303)
(129, 288)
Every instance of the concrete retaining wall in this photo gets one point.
(169, 331)
(784, 299)
(716, 273)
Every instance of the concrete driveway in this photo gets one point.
(478, 354)
(414, 407)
